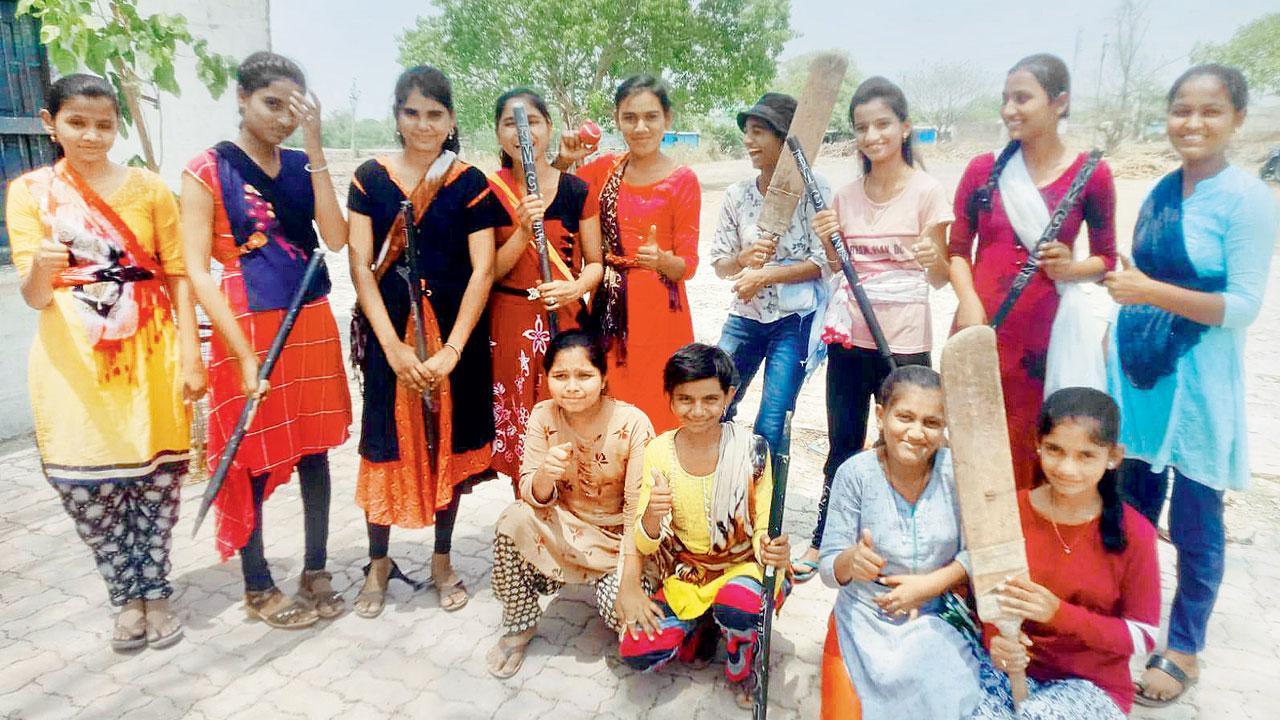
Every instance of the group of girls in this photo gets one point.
(638, 481)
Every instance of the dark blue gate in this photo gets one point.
(24, 76)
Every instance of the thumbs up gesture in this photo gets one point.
(865, 563)
(1128, 285)
(660, 501)
(557, 461)
(649, 255)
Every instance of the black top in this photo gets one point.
(463, 206)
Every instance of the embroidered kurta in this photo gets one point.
(517, 325)
(691, 500)
(996, 255)
(1195, 418)
(655, 329)
(578, 536)
(922, 668)
(126, 423)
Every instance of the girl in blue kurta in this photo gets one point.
(1201, 252)
(892, 547)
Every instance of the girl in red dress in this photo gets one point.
(1035, 100)
(518, 325)
(649, 217)
(252, 204)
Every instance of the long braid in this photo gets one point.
(1111, 524)
(981, 198)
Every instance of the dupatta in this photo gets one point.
(1150, 339)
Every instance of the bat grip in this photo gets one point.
(1011, 629)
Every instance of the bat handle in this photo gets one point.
(1011, 629)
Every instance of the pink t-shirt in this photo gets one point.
(879, 237)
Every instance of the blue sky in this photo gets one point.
(338, 42)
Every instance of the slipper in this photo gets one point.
(1170, 668)
(450, 591)
(130, 631)
(808, 569)
(163, 626)
(508, 652)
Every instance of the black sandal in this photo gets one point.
(1170, 668)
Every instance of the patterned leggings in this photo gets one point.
(517, 584)
(1069, 699)
(127, 524)
(736, 610)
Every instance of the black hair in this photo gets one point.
(432, 83)
(695, 362)
(1231, 78)
(521, 92)
(918, 376)
(570, 339)
(79, 85)
(980, 199)
(637, 84)
(1096, 407)
(263, 68)
(1050, 72)
(878, 88)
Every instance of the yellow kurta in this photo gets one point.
(690, 495)
(94, 426)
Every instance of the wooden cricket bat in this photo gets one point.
(813, 112)
(985, 484)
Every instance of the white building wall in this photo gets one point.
(180, 127)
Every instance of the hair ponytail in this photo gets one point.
(1112, 522)
(980, 199)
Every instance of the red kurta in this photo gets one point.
(1023, 339)
(307, 410)
(1110, 601)
(655, 330)
(517, 325)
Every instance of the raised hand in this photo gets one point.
(660, 501)
(649, 255)
(558, 460)
(306, 109)
(864, 562)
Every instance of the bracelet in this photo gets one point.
(454, 348)
(312, 170)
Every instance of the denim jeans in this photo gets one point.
(313, 479)
(1198, 534)
(782, 347)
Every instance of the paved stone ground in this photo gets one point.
(419, 661)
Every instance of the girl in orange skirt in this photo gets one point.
(403, 479)
(251, 204)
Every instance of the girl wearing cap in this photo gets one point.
(893, 219)
(775, 279)
(649, 208)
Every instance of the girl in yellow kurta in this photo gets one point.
(98, 250)
(704, 502)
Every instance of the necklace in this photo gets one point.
(1053, 510)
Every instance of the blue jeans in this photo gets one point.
(1198, 533)
(782, 347)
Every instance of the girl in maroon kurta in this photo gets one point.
(1093, 597)
(1035, 99)
(518, 326)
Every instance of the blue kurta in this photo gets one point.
(1194, 418)
(923, 668)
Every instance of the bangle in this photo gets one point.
(454, 348)
(312, 170)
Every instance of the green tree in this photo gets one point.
(713, 52)
(132, 50)
(792, 74)
(1255, 49)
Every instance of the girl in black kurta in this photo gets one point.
(455, 211)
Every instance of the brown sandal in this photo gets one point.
(378, 574)
(130, 631)
(163, 626)
(278, 610)
(315, 590)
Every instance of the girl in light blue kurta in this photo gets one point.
(1201, 254)
(892, 546)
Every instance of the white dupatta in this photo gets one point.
(1077, 356)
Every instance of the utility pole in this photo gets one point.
(354, 96)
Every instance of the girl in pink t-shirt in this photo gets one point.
(893, 218)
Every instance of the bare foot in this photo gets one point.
(506, 657)
(1158, 685)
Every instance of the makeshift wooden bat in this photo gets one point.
(264, 373)
(985, 484)
(525, 137)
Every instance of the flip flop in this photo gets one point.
(166, 617)
(810, 569)
(1170, 668)
(508, 652)
(450, 591)
(130, 630)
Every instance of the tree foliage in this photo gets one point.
(713, 52)
(793, 72)
(1255, 49)
(943, 93)
(113, 39)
